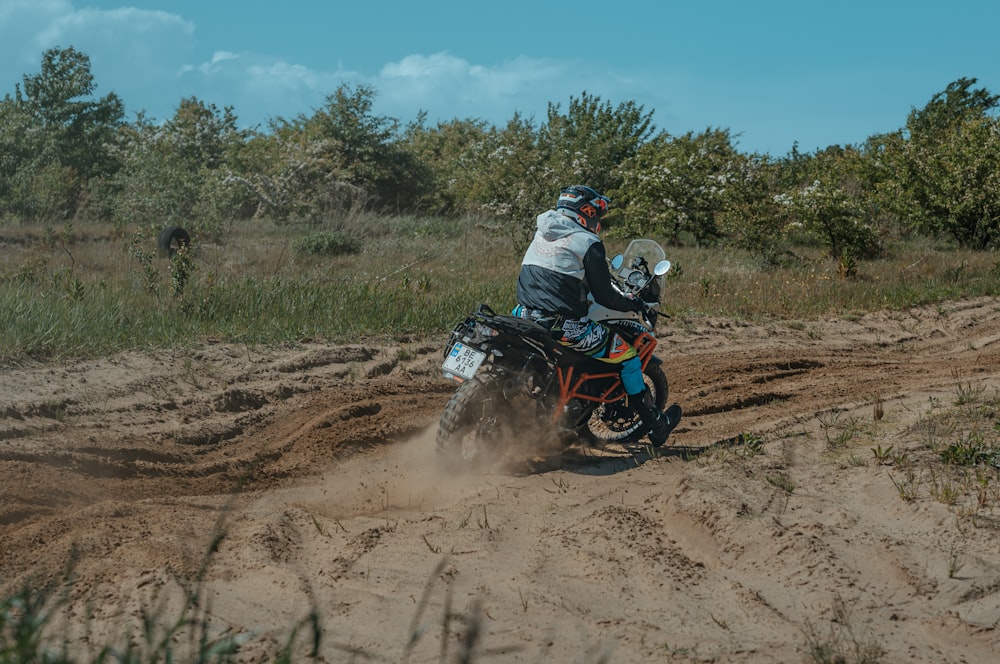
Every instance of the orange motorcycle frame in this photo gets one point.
(573, 378)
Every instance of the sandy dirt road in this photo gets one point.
(309, 474)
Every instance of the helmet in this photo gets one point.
(583, 204)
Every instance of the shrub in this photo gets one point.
(326, 244)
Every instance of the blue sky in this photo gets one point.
(771, 71)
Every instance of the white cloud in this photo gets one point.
(259, 87)
(19, 21)
(133, 52)
(447, 86)
(271, 77)
(429, 75)
(427, 66)
(443, 85)
(220, 56)
(129, 23)
(152, 60)
(214, 65)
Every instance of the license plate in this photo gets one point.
(462, 362)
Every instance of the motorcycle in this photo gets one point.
(515, 380)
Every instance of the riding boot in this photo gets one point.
(655, 424)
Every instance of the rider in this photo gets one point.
(564, 263)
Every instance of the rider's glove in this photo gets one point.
(650, 314)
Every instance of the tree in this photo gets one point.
(74, 129)
(752, 218)
(676, 186)
(65, 136)
(449, 155)
(513, 181)
(16, 129)
(186, 171)
(588, 143)
(951, 165)
(950, 108)
(342, 157)
(363, 147)
(824, 213)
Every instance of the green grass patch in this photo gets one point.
(326, 244)
(98, 290)
(108, 294)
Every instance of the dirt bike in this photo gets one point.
(516, 380)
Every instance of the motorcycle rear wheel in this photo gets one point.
(617, 423)
(470, 434)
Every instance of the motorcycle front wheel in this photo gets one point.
(616, 422)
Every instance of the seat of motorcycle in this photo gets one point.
(567, 357)
(528, 328)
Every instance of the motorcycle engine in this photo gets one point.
(575, 414)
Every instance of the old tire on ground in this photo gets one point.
(171, 239)
(614, 424)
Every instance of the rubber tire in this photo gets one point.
(469, 435)
(171, 239)
(656, 381)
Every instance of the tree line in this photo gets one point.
(66, 155)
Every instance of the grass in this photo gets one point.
(955, 451)
(104, 293)
(31, 631)
(89, 289)
(951, 455)
(726, 284)
(32, 628)
(843, 643)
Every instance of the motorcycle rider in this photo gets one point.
(564, 262)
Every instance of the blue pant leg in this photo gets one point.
(632, 375)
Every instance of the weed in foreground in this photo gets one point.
(838, 432)
(29, 632)
(31, 628)
(28, 617)
(966, 392)
(841, 644)
(908, 486)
